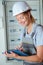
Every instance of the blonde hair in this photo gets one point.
(32, 18)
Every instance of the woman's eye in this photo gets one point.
(21, 17)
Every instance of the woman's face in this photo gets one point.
(23, 19)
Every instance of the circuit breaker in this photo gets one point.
(13, 29)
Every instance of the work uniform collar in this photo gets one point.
(31, 34)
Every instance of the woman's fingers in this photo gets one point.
(21, 49)
(11, 55)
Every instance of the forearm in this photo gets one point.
(33, 58)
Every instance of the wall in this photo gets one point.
(2, 39)
(42, 10)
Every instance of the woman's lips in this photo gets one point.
(22, 22)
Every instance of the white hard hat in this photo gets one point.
(20, 7)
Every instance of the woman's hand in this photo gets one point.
(19, 47)
(14, 55)
(11, 55)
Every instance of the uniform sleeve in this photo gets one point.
(39, 36)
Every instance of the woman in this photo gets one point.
(22, 12)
